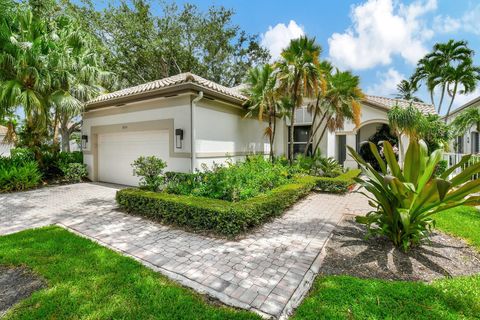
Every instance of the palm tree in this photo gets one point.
(341, 102)
(298, 76)
(438, 67)
(466, 75)
(261, 85)
(466, 119)
(405, 121)
(406, 90)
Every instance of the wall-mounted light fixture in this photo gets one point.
(178, 138)
(84, 141)
(468, 139)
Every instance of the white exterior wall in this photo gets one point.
(467, 137)
(176, 108)
(223, 133)
(4, 147)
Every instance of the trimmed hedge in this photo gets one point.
(338, 184)
(218, 216)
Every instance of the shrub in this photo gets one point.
(17, 176)
(233, 182)
(22, 155)
(440, 168)
(339, 184)
(74, 172)
(317, 165)
(218, 216)
(150, 170)
(404, 199)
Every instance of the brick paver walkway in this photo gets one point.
(267, 271)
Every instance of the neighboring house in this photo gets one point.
(4, 147)
(189, 121)
(468, 143)
(163, 118)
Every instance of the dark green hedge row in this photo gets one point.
(338, 184)
(217, 216)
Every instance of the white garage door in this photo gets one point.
(117, 151)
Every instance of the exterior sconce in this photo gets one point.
(84, 141)
(468, 139)
(178, 138)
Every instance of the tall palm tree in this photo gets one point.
(298, 76)
(466, 119)
(465, 75)
(406, 90)
(342, 102)
(261, 85)
(437, 67)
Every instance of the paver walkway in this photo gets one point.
(268, 271)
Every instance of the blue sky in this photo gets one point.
(380, 40)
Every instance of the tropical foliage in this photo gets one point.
(465, 120)
(300, 78)
(406, 90)
(405, 198)
(448, 69)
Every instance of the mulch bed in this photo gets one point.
(349, 253)
(16, 284)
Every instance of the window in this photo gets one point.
(475, 142)
(300, 136)
(459, 144)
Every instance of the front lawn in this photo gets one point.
(463, 222)
(88, 281)
(346, 297)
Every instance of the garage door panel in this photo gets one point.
(117, 151)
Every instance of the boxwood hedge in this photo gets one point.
(218, 216)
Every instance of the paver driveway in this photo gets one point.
(267, 271)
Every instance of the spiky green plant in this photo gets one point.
(405, 199)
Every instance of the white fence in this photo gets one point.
(454, 158)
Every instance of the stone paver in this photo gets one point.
(267, 271)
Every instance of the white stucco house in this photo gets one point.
(189, 121)
(4, 147)
(468, 143)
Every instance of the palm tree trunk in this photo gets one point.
(432, 98)
(321, 136)
(316, 130)
(292, 118)
(454, 93)
(55, 127)
(441, 99)
(310, 133)
(274, 129)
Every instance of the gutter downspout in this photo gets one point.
(193, 118)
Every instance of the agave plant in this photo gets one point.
(405, 199)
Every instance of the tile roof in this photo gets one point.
(181, 78)
(235, 92)
(391, 102)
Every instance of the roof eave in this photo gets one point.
(165, 91)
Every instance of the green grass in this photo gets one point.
(345, 297)
(87, 281)
(463, 222)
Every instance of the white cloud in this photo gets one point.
(468, 22)
(278, 37)
(387, 84)
(381, 29)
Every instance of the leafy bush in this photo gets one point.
(18, 174)
(441, 167)
(317, 165)
(74, 172)
(150, 171)
(339, 184)
(218, 216)
(404, 199)
(233, 182)
(22, 155)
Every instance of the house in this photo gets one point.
(189, 122)
(4, 147)
(470, 141)
(163, 118)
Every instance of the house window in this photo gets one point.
(300, 134)
(475, 142)
(459, 144)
